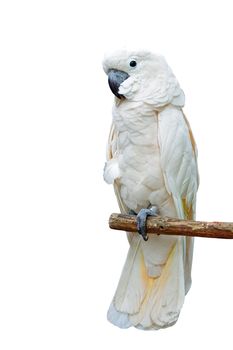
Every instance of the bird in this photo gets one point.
(152, 164)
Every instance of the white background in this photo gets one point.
(59, 261)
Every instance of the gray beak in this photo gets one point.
(115, 79)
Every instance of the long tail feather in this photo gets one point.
(149, 302)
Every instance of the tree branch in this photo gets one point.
(175, 227)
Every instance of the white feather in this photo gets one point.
(177, 156)
(111, 171)
(119, 319)
(132, 286)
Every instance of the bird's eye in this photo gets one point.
(133, 63)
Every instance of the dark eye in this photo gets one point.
(133, 63)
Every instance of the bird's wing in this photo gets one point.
(111, 145)
(111, 155)
(178, 160)
(179, 166)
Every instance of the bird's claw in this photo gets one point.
(132, 212)
(141, 220)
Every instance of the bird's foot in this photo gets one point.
(141, 220)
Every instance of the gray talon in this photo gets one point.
(141, 221)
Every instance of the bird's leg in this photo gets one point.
(141, 220)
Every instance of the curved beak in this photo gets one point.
(115, 79)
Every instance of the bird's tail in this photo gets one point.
(151, 291)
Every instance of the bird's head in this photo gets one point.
(142, 76)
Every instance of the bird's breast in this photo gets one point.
(138, 154)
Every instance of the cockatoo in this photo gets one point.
(152, 163)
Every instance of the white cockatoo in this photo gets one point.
(151, 161)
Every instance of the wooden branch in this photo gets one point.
(175, 227)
